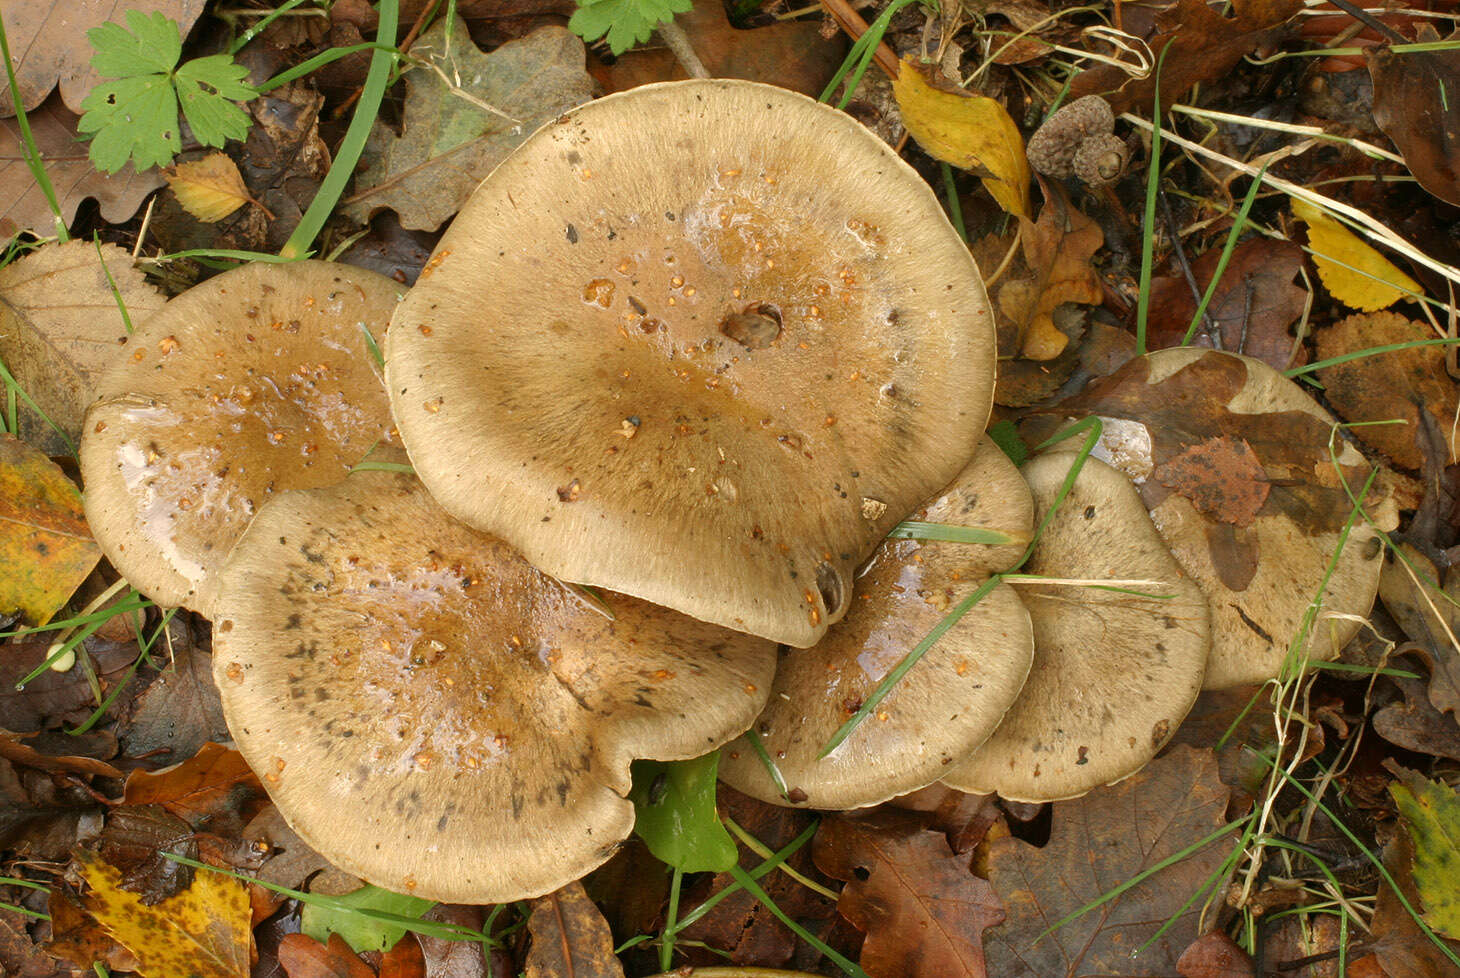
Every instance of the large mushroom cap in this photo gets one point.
(256, 381)
(434, 715)
(1233, 462)
(703, 342)
(1114, 672)
(947, 704)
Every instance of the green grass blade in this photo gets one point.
(1229, 246)
(32, 155)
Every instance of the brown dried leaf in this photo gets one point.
(46, 548)
(1215, 955)
(210, 188)
(1415, 105)
(179, 711)
(1058, 249)
(923, 910)
(1222, 477)
(304, 957)
(207, 784)
(570, 937)
(1107, 837)
(1415, 724)
(1200, 45)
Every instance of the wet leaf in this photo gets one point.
(304, 957)
(1058, 249)
(207, 784)
(53, 697)
(46, 548)
(674, 807)
(1222, 477)
(570, 938)
(1388, 385)
(1415, 724)
(179, 711)
(1356, 274)
(1431, 813)
(971, 132)
(1417, 104)
(923, 910)
(60, 326)
(210, 188)
(203, 932)
(450, 140)
(1096, 843)
(405, 960)
(361, 930)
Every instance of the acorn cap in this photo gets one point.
(1052, 148)
(435, 716)
(947, 704)
(256, 381)
(703, 342)
(1114, 672)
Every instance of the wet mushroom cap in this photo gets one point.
(702, 342)
(258, 380)
(1232, 460)
(1114, 672)
(435, 716)
(947, 704)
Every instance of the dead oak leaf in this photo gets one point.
(1098, 842)
(1058, 248)
(212, 781)
(1221, 476)
(923, 910)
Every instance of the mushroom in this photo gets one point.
(947, 704)
(702, 342)
(435, 716)
(255, 381)
(1114, 672)
(1232, 461)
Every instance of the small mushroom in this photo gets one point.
(1114, 672)
(435, 716)
(255, 381)
(703, 342)
(1055, 145)
(947, 704)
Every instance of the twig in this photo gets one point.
(852, 23)
(677, 41)
(1213, 333)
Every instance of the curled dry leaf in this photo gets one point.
(209, 189)
(1058, 249)
(1356, 274)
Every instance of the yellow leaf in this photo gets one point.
(1431, 812)
(209, 189)
(1356, 274)
(202, 932)
(970, 132)
(46, 549)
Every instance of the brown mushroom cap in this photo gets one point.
(947, 704)
(1114, 673)
(1232, 460)
(256, 381)
(435, 716)
(703, 342)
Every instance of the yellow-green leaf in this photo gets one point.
(971, 132)
(202, 932)
(46, 548)
(209, 189)
(1356, 274)
(1431, 812)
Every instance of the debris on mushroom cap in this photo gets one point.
(947, 704)
(1051, 150)
(1114, 672)
(703, 342)
(435, 716)
(255, 381)
(1232, 461)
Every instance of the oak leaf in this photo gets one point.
(304, 957)
(46, 548)
(1058, 249)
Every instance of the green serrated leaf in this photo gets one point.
(1431, 812)
(151, 47)
(214, 119)
(674, 805)
(363, 918)
(221, 74)
(625, 22)
(133, 118)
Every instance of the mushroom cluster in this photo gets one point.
(701, 345)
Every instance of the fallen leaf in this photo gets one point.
(23, 205)
(1215, 955)
(45, 545)
(1431, 813)
(37, 755)
(405, 960)
(1416, 106)
(362, 931)
(1401, 948)
(203, 932)
(22, 956)
(971, 132)
(133, 842)
(570, 937)
(1222, 477)
(1426, 605)
(924, 912)
(304, 957)
(450, 141)
(206, 784)
(1415, 724)
(284, 159)
(1097, 842)
(1388, 385)
(1058, 249)
(674, 806)
(1253, 305)
(210, 188)
(53, 698)
(179, 711)
(60, 326)
(1356, 274)
(47, 38)
(1200, 45)
(77, 937)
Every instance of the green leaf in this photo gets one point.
(364, 918)
(675, 807)
(1431, 812)
(133, 118)
(205, 86)
(151, 47)
(626, 22)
